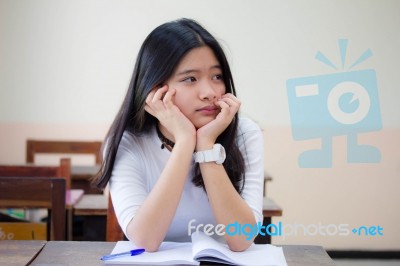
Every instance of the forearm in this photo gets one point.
(152, 220)
(227, 205)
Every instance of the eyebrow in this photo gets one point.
(188, 71)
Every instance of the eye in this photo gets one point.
(217, 77)
(189, 80)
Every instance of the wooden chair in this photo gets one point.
(63, 170)
(34, 171)
(80, 175)
(41, 192)
(113, 231)
(62, 147)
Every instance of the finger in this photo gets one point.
(224, 107)
(232, 103)
(150, 97)
(168, 97)
(160, 93)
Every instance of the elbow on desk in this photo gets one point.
(150, 244)
(149, 247)
(147, 244)
(142, 237)
(239, 245)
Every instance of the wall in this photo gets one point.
(65, 66)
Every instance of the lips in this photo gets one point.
(208, 108)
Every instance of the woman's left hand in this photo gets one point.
(208, 134)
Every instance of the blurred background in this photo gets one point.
(65, 67)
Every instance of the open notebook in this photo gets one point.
(202, 248)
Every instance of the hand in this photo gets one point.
(208, 134)
(159, 103)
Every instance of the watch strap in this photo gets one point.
(212, 155)
(204, 156)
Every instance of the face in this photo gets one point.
(199, 84)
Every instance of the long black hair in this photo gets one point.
(158, 57)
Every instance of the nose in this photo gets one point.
(208, 92)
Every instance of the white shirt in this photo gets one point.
(140, 161)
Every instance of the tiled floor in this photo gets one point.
(366, 262)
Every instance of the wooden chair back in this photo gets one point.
(62, 147)
(41, 192)
(63, 170)
(113, 231)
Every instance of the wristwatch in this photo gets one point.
(216, 154)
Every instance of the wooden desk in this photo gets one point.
(89, 253)
(73, 253)
(302, 255)
(19, 252)
(81, 175)
(93, 211)
(92, 205)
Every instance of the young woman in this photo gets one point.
(177, 152)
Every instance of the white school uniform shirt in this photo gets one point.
(140, 161)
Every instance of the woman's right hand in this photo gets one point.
(159, 103)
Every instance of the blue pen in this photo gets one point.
(132, 252)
